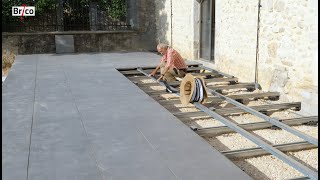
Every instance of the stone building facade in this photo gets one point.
(287, 53)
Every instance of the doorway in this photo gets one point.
(207, 28)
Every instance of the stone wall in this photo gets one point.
(183, 27)
(235, 37)
(289, 42)
(86, 42)
(288, 45)
(182, 31)
(287, 53)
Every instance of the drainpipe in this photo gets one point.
(257, 85)
(200, 12)
(171, 23)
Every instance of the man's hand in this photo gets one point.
(152, 74)
(160, 78)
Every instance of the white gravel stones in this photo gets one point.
(266, 168)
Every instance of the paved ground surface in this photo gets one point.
(71, 117)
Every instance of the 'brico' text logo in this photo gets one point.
(23, 11)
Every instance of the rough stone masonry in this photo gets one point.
(288, 42)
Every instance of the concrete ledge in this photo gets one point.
(66, 33)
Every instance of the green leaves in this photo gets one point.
(77, 10)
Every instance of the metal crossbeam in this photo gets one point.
(237, 110)
(212, 99)
(287, 159)
(254, 152)
(215, 131)
(227, 87)
(135, 72)
(213, 80)
(273, 121)
(299, 178)
(234, 86)
(193, 64)
(215, 71)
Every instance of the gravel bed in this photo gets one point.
(234, 141)
(147, 80)
(159, 88)
(270, 167)
(246, 118)
(205, 122)
(209, 122)
(307, 157)
(266, 168)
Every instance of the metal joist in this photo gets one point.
(287, 159)
(273, 121)
(237, 110)
(176, 83)
(257, 151)
(215, 71)
(212, 99)
(219, 88)
(215, 131)
(135, 72)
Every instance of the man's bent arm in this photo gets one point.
(155, 70)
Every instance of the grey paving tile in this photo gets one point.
(91, 122)
(17, 110)
(59, 147)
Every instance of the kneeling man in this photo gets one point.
(171, 64)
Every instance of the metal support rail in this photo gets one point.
(259, 114)
(214, 131)
(257, 85)
(257, 151)
(267, 118)
(218, 72)
(282, 156)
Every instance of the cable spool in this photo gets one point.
(193, 89)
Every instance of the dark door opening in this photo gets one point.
(207, 29)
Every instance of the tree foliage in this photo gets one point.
(116, 9)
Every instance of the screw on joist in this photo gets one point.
(274, 127)
(311, 123)
(233, 82)
(212, 108)
(238, 100)
(297, 108)
(194, 128)
(268, 113)
(250, 89)
(208, 77)
(274, 98)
